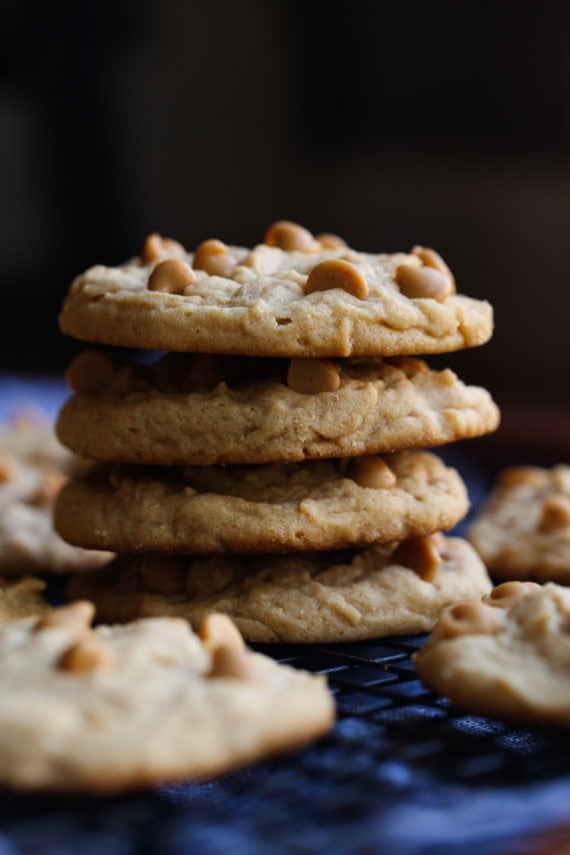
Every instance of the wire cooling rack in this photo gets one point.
(403, 772)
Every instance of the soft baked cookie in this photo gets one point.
(293, 296)
(119, 707)
(33, 467)
(311, 597)
(523, 530)
(317, 504)
(508, 657)
(213, 409)
(21, 598)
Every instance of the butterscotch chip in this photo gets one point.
(132, 706)
(75, 617)
(420, 554)
(507, 593)
(359, 594)
(172, 276)
(512, 663)
(87, 655)
(217, 409)
(469, 618)
(270, 507)
(555, 513)
(330, 241)
(313, 376)
(38, 466)
(6, 471)
(431, 258)
(523, 529)
(156, 247)
(259, 307)
(290, 237)
(214, 257)
(217, 630)
(89, 372)
(423, 282)
(372, 472)
(337, 273)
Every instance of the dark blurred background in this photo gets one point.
(392, 123)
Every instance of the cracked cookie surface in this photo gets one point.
(292, 598)
(207, 410)
(317, 504)
(261, 306)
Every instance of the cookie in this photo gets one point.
(311, 597)
(21, 598)
(33, 467)
(508, 657)
(214, 409)
(292, 298)
(523, 530)
(122, 707)
(317, 504)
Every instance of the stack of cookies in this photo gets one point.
(265, 464)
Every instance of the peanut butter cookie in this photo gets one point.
(311, 597)
(523, 530)
(214, 409)
(506, 657)
(290, 296)
(317, 504)
(21, 598)
(130, 706)
(33, 467)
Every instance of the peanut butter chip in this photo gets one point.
(409, 365)
(163, 574)
(519, 476)
(156, 247)
(337, 273)
(89, 372)
(290, 237)
(503, 596)
(329, 241)
(87, 655)
(214, 257)
(313, 376)
(6, 472)
(420, 554)
(469, 619)
(431, 258)
(171, 276)
(76, 617)
(230, 657)
(418, 282)
(555, 513)
(371, 472)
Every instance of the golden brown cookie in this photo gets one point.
(33, 467)
(286, 297)
(202, 410)
(123, 707)
(317, 504)
(506, 657)
(523, 530)
(311, 597)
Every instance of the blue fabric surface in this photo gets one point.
(371, 787)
